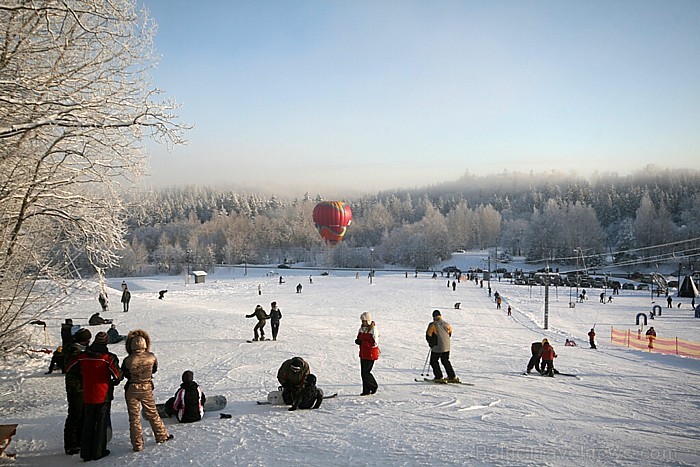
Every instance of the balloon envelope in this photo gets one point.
(332, 219)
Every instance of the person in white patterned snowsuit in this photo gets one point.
(138, 369)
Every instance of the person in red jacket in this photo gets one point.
(368, 340)
(591, 338)
(548, 355)
(99, 370)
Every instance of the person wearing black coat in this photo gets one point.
(310, 397)
(188, 403)
(536, 350)
(275, 317)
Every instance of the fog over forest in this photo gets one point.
(539, 216)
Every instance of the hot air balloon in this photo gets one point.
(332, 219)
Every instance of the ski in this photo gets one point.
(324, 398)
(571, 375)
(262, 340)
(428, 380)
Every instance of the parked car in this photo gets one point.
(628, 286)
(643, 287)
(283, 266)
(451, 269)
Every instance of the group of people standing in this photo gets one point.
(275, 316)
(92, 373)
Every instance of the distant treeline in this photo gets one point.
(556, 217)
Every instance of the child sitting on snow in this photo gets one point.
(310, 397)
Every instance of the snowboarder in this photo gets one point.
(310, 397)
(99, 372)
(126, 298)
(291, 376)
(438, 335)
(591, 338)
(275, 317)
(548, 355)
(188, 403)
(161, 294)
(138, 368)
(368, 340)
(262, 319)
(73, 427)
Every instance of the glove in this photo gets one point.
(358, 342)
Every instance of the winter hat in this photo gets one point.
(296, 364)
(82, 335)
(68, 321)
(310, 380)
(436, 313)
(102, 338)
(273, 304)
(545, 341)
(366, 316)
(187, 376)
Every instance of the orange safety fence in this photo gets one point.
(640, 341)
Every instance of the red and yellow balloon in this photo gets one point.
(332, 219)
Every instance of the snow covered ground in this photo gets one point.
(625, 408)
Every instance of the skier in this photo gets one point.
(438, 335)
(126, 298)
(591, 338)
(138, 368)
(310, 397)
(188, 403)
(262, 319)
(368, 340)
(99, 372)
(651, 335)
(275, 317)
(510, 310)
(291, 376)
(548, 355)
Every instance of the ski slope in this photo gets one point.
(625, 407)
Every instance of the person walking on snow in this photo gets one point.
(262, 319)
(368, 340)
(438, 335)
(275, 317)
(138, 368)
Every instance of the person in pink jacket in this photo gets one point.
(368, 340)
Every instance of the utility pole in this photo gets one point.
(546, 299)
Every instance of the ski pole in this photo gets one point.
(425, 366)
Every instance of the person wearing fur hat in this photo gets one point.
(73, 428)
(368, 340)
(188, 403)
(291, 376)
(99, 372)
(138, 368)
(438, 335)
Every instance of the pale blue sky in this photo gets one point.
(367, 95)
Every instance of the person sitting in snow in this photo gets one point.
(570, 343)
(292, 375)
(188, 403)
(114, 335)
(310, 397)
(96, 320)
(56, 360)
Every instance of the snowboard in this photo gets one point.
(274, 399)
(428, 380)
(263, 340)
(212, 404)
(571, 375)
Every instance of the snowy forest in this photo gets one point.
(541, 217)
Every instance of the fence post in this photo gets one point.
(676, 345)
(628, 337)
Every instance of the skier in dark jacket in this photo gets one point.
(291, 376)
(99, 371)
(310, 397)
(275, 317)
(262, 319)
(591, 338)
(188, 403)
(73, 428)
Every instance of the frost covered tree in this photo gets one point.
(75, 105)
